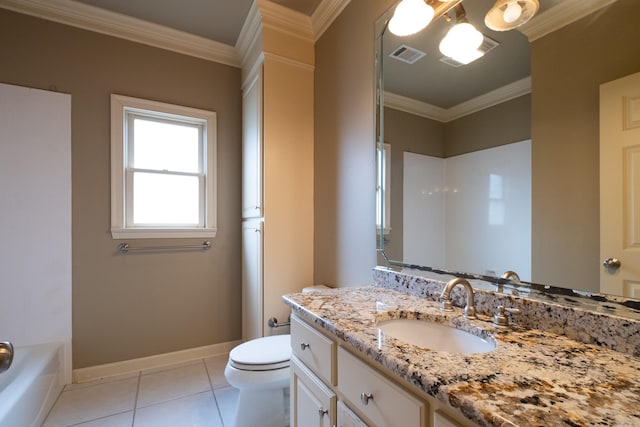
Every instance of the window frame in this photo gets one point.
(121, 106)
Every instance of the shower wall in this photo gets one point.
(35, 218)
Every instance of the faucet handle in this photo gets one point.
(500, 318)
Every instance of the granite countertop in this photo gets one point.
(532, 378)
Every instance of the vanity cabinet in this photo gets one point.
(375, 396)
(315, 403)
(346, 417)
(332, 386)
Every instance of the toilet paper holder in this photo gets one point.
(273, 323)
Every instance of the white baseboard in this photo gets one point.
(151, 362)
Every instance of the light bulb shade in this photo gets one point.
(509, 14)
(462, 42)
(410, 16)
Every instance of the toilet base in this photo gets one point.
(265, 408)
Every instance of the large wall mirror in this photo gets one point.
(495, 165)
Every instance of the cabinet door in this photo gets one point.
(377, 398)
(346, 417)
(252, 148)
(252, 307)
(312, 403)
(441, 420)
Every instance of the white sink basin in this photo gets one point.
(435, 336)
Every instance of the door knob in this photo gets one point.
(613, 263)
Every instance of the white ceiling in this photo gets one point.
(219, 20)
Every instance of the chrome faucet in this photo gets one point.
(6, 355)
(445, 297)
(511, 275)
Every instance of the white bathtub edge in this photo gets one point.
(34, 384)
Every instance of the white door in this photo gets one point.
(620, 186)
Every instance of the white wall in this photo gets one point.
(487, 210)
(35, 218)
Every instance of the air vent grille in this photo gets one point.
(407, 54)
(488, 44)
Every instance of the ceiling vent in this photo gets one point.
(487, 45)
(407, 54)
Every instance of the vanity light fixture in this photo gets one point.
(509, 14)
(410, 16)
(463, 40)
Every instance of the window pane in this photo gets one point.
(165, 146)
(160, 199)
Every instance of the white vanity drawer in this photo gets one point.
(314, 403)
(381, 401)
(316, 351)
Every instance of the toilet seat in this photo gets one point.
(262, 354)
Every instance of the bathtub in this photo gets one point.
(31, 386)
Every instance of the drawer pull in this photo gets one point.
(323, 412)
(304, 346)
(365, 398)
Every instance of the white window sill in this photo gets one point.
(155, 233)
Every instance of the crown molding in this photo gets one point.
(95, 19)
(262, 13)
(489, 99)
(562, 14)
(324, 15)
(285, 20)
(415, 107)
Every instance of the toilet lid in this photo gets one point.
(262, 354)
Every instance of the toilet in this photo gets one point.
(259, 369)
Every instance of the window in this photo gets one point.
(163, 170)
(383, 189)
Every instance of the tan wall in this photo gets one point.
(501, 124)
(128, 306)
(344, 156)
(567, 68)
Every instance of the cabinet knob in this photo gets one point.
(323, 412)
(365, 398)
(304, 346)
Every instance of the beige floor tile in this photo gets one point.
(172, 384)
(198, 410)
(215, 367)
(227, 399)
(120, 420)
(92, 402)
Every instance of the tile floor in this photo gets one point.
(189, 394)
